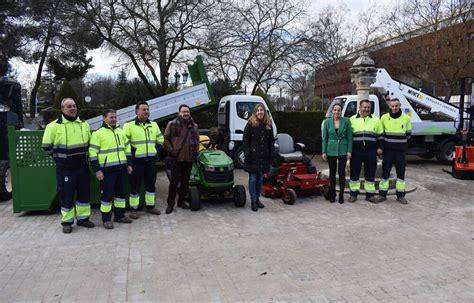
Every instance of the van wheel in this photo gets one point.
(426, 156)
(445, 153)
(5, 181)
(239, 157)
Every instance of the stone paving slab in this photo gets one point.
(312, 251)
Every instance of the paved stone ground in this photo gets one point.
(312, 251)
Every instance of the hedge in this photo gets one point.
(304, 127)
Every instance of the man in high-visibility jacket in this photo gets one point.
(366, 132)
(146, 141)
(66, 140)
(396, 132)
(111, 158)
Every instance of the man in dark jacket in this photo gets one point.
(181, 143)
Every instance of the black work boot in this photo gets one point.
(254, 206)
(169, 209)
(86, 224)
(67, 229)
(341, 198)
(260, 204)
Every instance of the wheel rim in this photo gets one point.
(450, 153)
(241, 158)
(8, 183)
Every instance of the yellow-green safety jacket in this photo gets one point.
(67, 141)
(109, 148)
(145, 138)
(366, 132)
(396, 131)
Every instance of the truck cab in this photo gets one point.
(232, 115)
(349, 105)
(11, 114)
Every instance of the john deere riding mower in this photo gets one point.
(212, 177)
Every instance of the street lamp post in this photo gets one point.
(177, 76)
(176, 79)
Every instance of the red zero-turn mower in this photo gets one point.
(294, 176)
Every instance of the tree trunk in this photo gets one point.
(44, 54)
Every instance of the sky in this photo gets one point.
(105, 64)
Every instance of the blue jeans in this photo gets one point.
(255, 186)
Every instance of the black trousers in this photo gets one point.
(341, 169)
(179, 175)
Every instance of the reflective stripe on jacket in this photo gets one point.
(109, 147)
(366, 132)
(143, 138)
(67, 141)
(396, 131)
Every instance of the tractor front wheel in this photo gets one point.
(195, 199)
(240, 196)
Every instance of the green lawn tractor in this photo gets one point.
(212, 178)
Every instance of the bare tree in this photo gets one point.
(249, 39)
(151, 34)
(443, 49)
(370, 24)
(331, 40)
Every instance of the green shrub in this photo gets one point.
(91, 112)
(66, 91)
(50, 114)
(170, 89)
(304, 127)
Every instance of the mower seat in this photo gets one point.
(286, 149)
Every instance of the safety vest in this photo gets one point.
(396, 131)
(108, 148)
(365, 131)
(143, 138)
(67, 141)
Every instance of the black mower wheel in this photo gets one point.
(5, 181)
(195, 199)
(240, 196)
(291, 196)
(326, 193)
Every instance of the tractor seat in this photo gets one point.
(287, 150)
